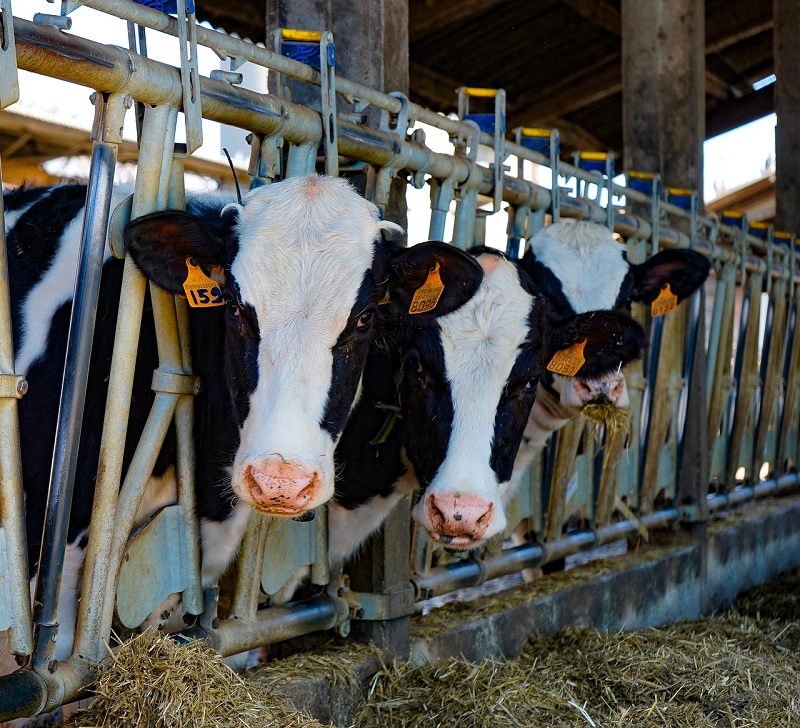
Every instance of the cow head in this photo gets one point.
(467, 387)
(580, 267)
(301, 266)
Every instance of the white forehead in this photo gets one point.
(304, 246)
(481, 339)
(586, 259)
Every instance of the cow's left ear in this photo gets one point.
(684, 271)
(161, 242)
(430, 280)
(592, 344)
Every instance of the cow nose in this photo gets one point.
(603, 391)
(279, 487)
(459, 520)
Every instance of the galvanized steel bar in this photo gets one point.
(12, 513)
(73, 393)
(471, 572)
(89, 635)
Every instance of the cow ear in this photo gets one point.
(430, 280)
(160, 243)
(604, 340)
(684, 271)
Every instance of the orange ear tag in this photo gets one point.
(428, 294)
(664, 303)
(201, 291)
(568, 361)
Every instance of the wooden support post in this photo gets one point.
(663, 89)
(787, 106)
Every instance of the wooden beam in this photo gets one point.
(434, 89)
(723, 29)
(426, 17)
(735, 112)
(576, 91)
(598, 12)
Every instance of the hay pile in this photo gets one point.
(738, 669)
(153, 682)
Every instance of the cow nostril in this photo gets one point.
(435, 514)
(485, 519)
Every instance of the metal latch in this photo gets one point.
(379, 607)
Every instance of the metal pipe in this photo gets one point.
(764, 489)
(73, 394)
(44, 50)
(273, 625)
(89, 637)
(472, 572)
(22, 693)
(20, 637)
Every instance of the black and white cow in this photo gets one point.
(443, 407)
(301, 266)
(464, 385)
(581, 267)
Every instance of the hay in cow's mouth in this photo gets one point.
(613, 418)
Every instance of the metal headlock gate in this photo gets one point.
(706, 391)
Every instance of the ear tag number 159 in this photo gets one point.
(201, 291)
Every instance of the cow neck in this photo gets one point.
(393, 411)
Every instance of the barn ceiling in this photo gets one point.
(559, 60)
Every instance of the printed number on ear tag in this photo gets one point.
(664, 303)
(568, 361)
(201, 291)
(428, 294)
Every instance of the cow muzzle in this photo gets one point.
(607, 389)
(458, 520)
(278, 487)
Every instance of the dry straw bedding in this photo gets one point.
(735, 670)
(738, 669)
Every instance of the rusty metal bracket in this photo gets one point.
(172, 383)
(12, 386)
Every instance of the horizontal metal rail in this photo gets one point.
(472, 572)
(44, 50)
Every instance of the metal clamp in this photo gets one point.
(399, 129)
(190, 76)
(687, 200)
(379, 607)
(649, 184)
(9, 77)
(172, 383)
(548, 143)
(266, 159)
(494, 124)
(738, 220)
(601, 164)
(316, 49)
(13, 386)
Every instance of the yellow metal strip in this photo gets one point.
(485, 93)
(301, 35)
(594, 156)
(532, 131)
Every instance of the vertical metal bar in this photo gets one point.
(88, 638)
(184, 428)
(302, 160)
(13, 511)
(73, 394)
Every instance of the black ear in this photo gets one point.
(411, 271)
(684, 270)
(160, 243)
(612, 340)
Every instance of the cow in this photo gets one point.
(299, 268)
(581, 267)
(443, 408)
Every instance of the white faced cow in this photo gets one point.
(300, 266)
(580, 267)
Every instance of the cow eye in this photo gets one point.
(364, 320)
(232, 306)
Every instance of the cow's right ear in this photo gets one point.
(430, 279)
(160, 243)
